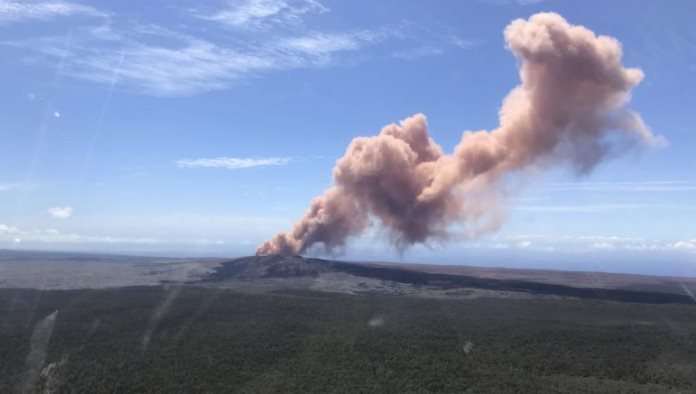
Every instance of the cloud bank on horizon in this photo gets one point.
(569, 109)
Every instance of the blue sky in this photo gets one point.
(204, 127)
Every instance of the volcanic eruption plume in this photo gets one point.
(569, 109)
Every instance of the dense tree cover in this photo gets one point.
(210, 340)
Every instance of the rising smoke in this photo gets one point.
(570, 109)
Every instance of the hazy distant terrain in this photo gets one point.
(97, 323)
(48, 270)
(43, 270)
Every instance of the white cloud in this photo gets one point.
(252, 14)
(524, 244)
(10, 234)
(8, 230)
(56, 114)
(603, 246)
(234, 163)
(16, 11)
(60, 212)
(686, 245)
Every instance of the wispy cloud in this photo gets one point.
(234, 163)
(649, 186)
(418, 52)
(17, 186)
(187, 69)
(188, 65)
(433, 42)
(509, 2)
(464, 43)
(60, 212)
(598, 208)
(320, 44)
(15, 11)
(150, 59)
(253, 14)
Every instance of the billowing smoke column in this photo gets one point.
(569, 109)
